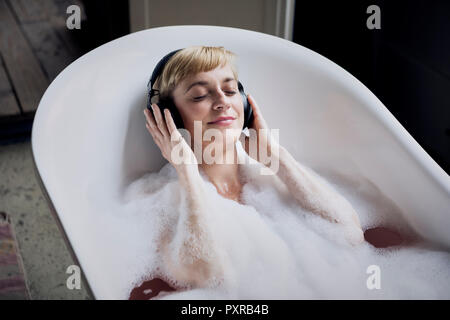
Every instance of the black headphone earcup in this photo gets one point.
(176, 116)
(168, 104)
(248, 112)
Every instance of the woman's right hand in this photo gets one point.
(162, 131)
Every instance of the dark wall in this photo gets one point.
(406, 63)
(106, 20)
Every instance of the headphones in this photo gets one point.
(167, 103)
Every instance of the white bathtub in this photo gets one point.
(89, 138)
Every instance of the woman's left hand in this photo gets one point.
(263, 138)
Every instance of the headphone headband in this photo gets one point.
(158, 70)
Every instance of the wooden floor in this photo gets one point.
(35, 46)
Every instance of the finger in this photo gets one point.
(252, 101)
(169, 121)
(149, 118)
(257, 111)
(254, 105)
(156, 134)
(150, 130)
(171, 126)
(159, 120)
(154, 130)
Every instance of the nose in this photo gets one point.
(221, 101)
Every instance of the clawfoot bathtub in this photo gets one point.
(89, 139)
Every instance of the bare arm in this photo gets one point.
(316, 196)
(191, 255)
(310, 192)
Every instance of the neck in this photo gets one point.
(223, 173)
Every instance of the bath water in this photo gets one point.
(276, 250)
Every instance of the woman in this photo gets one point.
(202, 83)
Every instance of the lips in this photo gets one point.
(221, 119)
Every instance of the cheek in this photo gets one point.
(190, 111)
(239, 109)
(195, 112)
(201, 111)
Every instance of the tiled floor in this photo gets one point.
(43, 250)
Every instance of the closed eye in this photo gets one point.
(231, 93)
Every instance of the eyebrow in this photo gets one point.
(203, 83)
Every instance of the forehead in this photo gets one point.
(219, 73)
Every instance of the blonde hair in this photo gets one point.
(190, 61)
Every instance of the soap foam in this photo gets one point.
(274, 249)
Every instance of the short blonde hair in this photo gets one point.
(190, 61)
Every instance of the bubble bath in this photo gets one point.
(273, 248)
